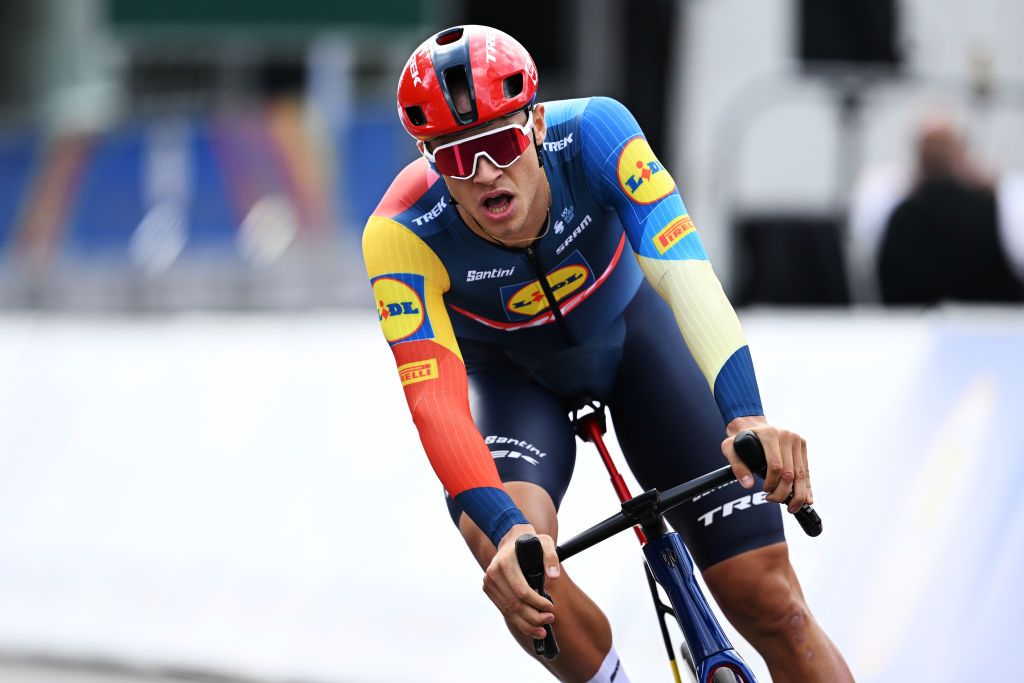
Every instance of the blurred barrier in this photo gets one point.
(254, 196)
(248, 495)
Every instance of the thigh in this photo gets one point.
(525, 427)
(670, 431)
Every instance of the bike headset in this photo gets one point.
(497, 72)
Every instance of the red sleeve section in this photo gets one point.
(437, 390)
(411, 183)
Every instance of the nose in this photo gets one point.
(486, 171)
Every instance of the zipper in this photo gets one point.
(542, 277)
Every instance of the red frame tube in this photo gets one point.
(592, 429)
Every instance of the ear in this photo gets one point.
(540, 127)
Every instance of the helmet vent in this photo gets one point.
(416, 115)
(450, 36)
(513, 85)
(461, 95)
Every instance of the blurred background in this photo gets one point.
(207, 471)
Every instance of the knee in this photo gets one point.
(774, 607)
(767, 601)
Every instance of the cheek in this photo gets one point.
(458, 188)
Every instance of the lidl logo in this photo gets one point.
(525, 300)
(418, 371)
(641, 175)
(400, 307)
(677, 229)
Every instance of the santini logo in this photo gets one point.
(474, 275)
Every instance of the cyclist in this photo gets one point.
(505, 292)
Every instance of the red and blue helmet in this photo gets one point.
(498, 72)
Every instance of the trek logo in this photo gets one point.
(489, 39)
(676, 230)
(525, 300)
(432, 214)
(474, 275)
(641, 175)
(574, 234)
(400, 308)
(558, 145)
(512, 454)
(414, 71)
(744, 503)
(419, 371)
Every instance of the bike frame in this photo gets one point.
(672, 567)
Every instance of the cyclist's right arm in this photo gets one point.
(409, 282)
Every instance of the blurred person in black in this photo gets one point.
(944, 241)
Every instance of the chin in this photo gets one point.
(506, 228)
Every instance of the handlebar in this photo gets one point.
(530, 555)
(649, 504)
(653, 502)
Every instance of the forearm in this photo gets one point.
(711, 330)
(463, 463)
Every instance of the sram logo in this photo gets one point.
(574, 234)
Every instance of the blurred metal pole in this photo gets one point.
(74, 64)
(600, 55)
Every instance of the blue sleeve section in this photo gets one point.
(624, 174)
(493, 511)
(605, 127)
(736, 389)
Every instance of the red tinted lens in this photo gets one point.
(503, 146)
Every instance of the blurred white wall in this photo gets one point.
(247, 495)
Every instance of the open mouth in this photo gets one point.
(497, 205)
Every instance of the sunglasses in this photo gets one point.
(502, 147)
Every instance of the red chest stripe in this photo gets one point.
(565, 306)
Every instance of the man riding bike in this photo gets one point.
(506, 294)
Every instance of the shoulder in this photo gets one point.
(584, 109)
(414, 199)
(590, 115)
(601, 126)
(607, 116)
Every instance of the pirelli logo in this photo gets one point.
(673, 232)
(420, 371)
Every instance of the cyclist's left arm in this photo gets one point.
(624, 173)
